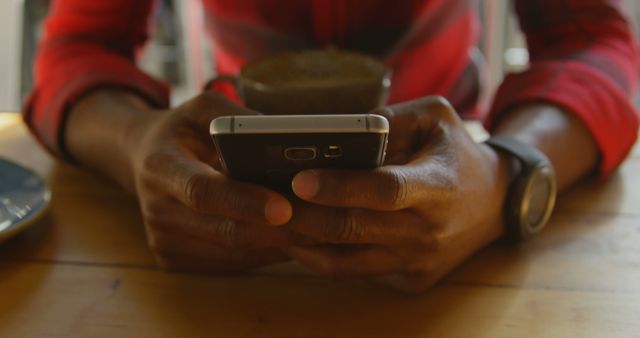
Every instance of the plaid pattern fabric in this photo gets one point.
(583, 56)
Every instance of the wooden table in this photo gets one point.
(85, 271)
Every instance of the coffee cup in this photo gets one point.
(312, 82)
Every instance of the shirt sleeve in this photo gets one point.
(86, 45)
(583, 57)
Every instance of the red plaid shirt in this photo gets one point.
(583, 55)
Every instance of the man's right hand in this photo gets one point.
(196, 218)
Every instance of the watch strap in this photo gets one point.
(528, 155)
(526, 160)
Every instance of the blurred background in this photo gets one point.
(179, 53)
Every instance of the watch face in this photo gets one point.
(538, 200)
(532, 193)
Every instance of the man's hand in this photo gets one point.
(437, 201)
(196, 219)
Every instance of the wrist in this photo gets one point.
(532, 188)
(556, 132)
(102, 130)
(499, 163)
(135, 131)
(131, 141)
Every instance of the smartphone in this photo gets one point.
(271, 149)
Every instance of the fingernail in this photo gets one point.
(305, 184)
(277, 211)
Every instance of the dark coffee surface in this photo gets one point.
(315, 69)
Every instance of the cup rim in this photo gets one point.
(384, 78)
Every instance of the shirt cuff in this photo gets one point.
(582, 90)
(60, 85)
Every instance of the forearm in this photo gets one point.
(100, 132)
(557, 133)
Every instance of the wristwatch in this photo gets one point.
(532, 188)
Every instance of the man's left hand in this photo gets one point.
(438, 199)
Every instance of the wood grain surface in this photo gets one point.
(85, 271)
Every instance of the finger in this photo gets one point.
(215, 230)
(198, 114)
(401, 229)
(403, 129)
(220, 265)
(205, 107)
(398, 158)
(299, 239)
(170, 243)
(205, 190)
(429, 179)
(412, 121)
(344, 262)
(385, 188)
(192, 255)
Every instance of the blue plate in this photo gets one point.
(24, 196)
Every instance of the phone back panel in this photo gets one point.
(274, 159)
